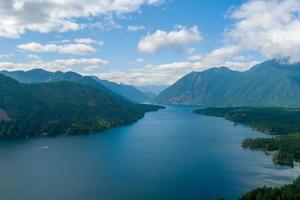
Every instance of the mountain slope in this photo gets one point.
(200, 87)
(268, 84)
(42, 76)
(127, 91)
(61, 107)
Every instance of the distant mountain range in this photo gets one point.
(128, 91)
(154, 89)
(61, 107)
(41, 76)
(270, 83)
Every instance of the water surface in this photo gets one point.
(169, 154)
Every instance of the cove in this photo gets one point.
(169, 154)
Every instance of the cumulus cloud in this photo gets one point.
(135, 28)
(271, 27)
(88, 41)
(221, 55)
(19, 16)
(56, 65)
(178, 38)
(58, 48)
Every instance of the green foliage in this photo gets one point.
(287, 147)
(287, 192)
(62, 108)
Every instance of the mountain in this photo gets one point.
(127, 91)
(270, 83)
(152, 89)
(42, 76)
(200, 87)
(62, 107)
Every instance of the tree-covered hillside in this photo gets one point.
(286, 148)
(271, 83)
(200, 88)
(61, 107)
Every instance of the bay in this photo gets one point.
(169, 154)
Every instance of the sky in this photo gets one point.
(146, 42)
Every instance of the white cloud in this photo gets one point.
(33, 57)
(88, 41)
(135, 28)
(271, 27)
(19, 16)
(149, 74)
(106, 24)
(195, 57)
(56, 65)
(171, 72)
(6, 55)
(179, 38)
(220, 56)
(58, 48)
(76, 49)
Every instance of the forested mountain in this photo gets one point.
(42, 76)
(60, 107)
(271, 83)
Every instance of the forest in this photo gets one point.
(286, 148)
(272, 120)
(62, 108)
(287, 192)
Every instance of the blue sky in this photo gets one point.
(145, 42)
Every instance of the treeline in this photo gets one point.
(269, 120)
(286, 148)
(62, 108)
(287, 192)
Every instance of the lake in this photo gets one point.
(169, 154)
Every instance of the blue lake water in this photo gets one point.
(169, 154)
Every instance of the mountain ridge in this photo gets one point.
(270, 83)
(43, 76)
